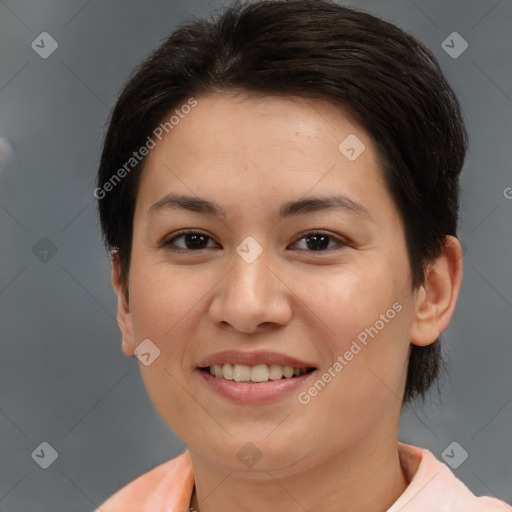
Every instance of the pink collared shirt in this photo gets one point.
(432, 488)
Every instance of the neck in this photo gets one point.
(366, 476)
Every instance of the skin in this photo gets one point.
(251, 154)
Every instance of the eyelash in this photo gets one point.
(168, 243)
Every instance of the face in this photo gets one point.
(323, 287)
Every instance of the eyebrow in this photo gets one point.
(301, 206)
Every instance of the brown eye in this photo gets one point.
(191, 241)
(318, 241)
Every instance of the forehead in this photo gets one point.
(258, 147)
(246, 124)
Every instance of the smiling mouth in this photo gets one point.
(256, 373)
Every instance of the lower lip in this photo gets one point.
(254, 392)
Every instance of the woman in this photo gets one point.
(279, 190)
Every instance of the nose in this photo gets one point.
(252, 297)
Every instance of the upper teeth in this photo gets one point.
(257, 373)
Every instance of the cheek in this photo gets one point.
(162, 306)
(349, 301)
(368, 316)
(163, 296)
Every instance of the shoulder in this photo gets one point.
(165, 487)
(434, 488)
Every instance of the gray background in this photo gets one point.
(63, 377)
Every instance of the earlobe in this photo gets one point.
(437, 297)
(124, 317)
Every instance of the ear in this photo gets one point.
(437, 297)
(124, 317)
